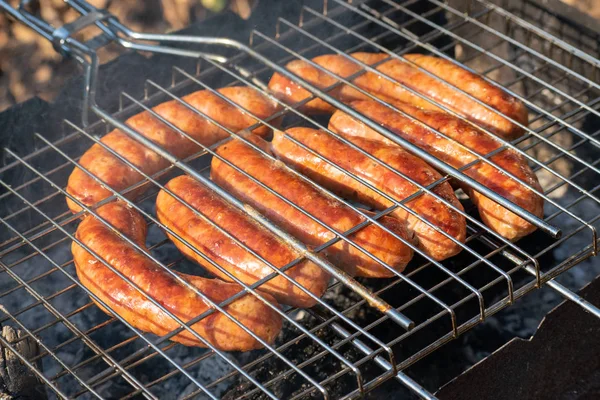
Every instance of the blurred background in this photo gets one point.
(29, 66)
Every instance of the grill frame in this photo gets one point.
(534, 269)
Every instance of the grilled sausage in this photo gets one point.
(228, 254)
(316, 202)
(408, 75)
(500, 219)
(179, 299)
(118, 175)
(426, 206)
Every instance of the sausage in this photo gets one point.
(408, 75)
(498, 218)
(180, 300)
(228, 254)
(118, 175)
(433, 243)
(316, 202)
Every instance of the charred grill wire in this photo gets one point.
(364, 329)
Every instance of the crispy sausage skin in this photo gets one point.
(427, 207)
(228, 254)
(180, 300)
(501, 220)
(325, 208)
(410, 76)
(119, 175)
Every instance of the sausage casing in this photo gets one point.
(497, 217)
(426, 206)
(410, 76)
(228, 254)
(118, 175)
(174, 296)
(315, 202)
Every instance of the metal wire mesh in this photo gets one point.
(549, 64)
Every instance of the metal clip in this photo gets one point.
(60, 35)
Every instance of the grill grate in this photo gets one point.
(548, 63)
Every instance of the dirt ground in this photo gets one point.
(29, 65)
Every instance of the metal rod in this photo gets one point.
(575, 298)
(562, 290)
(403, 378)
(21, 18)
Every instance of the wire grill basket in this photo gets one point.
(549, 63)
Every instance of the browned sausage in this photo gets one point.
(316, 202)
(180, 300)
(501, 220)
(410, 76)
(228, 254)
(426, 206)
(119, 175)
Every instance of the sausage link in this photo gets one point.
(426, 206)
(315, 202)
(118, 175)
(228, 254)
(500, 219)
(179, 299)
(406, 74)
